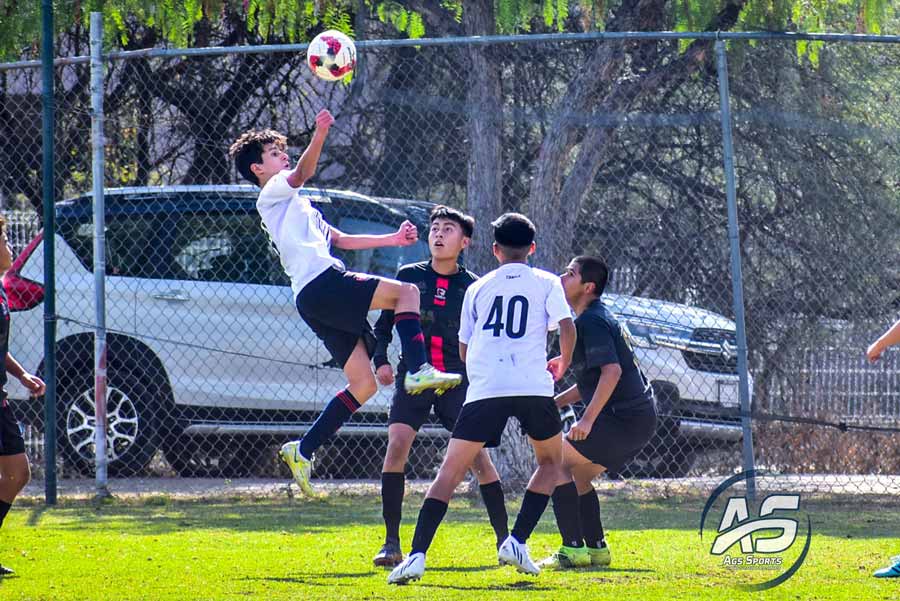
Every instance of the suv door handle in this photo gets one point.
(172, 295)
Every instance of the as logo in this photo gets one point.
(736, 512)
(774, 532)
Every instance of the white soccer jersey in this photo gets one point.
(504, 323)
(299, 231)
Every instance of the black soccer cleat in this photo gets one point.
(4, 571)
(390, 556)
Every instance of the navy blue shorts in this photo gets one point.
(414, 409)
(335, 306)
(11, 440)
(484, 420)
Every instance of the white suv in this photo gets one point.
(690, 357)
(209, 361)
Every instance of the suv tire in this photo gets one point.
(133, 405)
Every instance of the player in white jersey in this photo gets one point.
(503, 340)
(332, 301)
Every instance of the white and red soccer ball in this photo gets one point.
(331, 55)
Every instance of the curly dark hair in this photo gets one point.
(248, 149)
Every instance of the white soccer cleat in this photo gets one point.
(410, 569)
(301, 467)
(514, 553)
(429, 377)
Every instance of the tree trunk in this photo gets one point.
(601, 89)
(484, 179)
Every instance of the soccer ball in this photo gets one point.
(331, 55)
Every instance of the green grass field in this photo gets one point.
(161, 549)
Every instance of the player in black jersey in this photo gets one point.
(620, 417)
(442, 283)
(14, 470)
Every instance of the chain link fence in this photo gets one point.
(613, 146)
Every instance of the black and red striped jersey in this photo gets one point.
(440, 304)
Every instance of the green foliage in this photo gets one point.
(275, 21)
(403, 20)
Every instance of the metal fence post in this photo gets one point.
(100, 457)
(737, 282)
(47, 181)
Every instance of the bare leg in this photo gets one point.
(14, 475)
(360, 378)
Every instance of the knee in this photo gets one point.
(409, 292)
(483, 466)
(550, 461)
(397, 452)
(363, 386)
(19, 477)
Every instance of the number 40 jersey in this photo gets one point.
(504, 323)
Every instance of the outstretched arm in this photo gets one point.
(306, 166)
(887, 340)
(405, 236)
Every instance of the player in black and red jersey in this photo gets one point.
(442, 284)
(14, 470)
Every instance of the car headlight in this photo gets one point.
(647, 333)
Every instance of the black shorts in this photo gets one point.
(11, 440)
(617, 437)
(484, 420)
(335, 306)
(413, 409)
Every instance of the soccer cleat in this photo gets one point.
(409, 569)
(4, 571)
(892, 571)
(567, 558)
(428, 378)
(600, 557)
(515, 554)
(390, 556)
(300, 465)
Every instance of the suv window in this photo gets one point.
(136, 245)
(225, 247)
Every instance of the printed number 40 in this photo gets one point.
(516, 317)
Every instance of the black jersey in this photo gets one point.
(440, 305)
(601, 342)
(4, 342)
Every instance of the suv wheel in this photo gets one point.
(131, 406)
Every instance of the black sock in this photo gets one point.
(492, 495)
(4, 509)
(392, 484)
(337, 411)
(591, 527)
(412, 341)
(430, 516)
(533, 506)
(566, 510)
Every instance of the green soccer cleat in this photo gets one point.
(428, 378)
(300, 466)
(892, 571)
(567, 558)
(600, 557)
